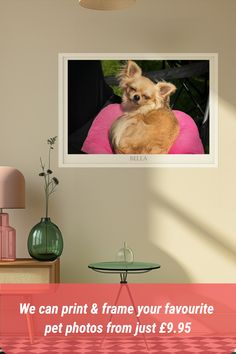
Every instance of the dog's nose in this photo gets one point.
(136, 98)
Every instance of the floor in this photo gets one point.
(217, 345)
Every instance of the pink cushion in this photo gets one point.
(187, 142)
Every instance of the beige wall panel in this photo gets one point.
(181, 218)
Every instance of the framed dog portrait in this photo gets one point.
(138, 110)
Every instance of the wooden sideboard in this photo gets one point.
(31, 271)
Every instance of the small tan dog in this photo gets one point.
(148, 125)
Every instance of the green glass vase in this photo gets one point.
(45, 242)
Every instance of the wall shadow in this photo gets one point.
(112, 206)
(214, 238)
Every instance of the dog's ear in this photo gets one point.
(129, 71)
(165, 89)
(133, 70)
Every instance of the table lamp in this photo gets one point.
(12, 196)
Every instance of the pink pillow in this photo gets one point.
(187, 142)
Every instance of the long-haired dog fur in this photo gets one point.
(148, 125)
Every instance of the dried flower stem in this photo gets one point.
(50, 182)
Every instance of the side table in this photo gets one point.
(31, 271)
(123, 269)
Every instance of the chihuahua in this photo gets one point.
(148, 125)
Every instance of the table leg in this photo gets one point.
(116, 302)
(136, 313)
(123, 278)
(30, 328)
(29, 321)
(123, 282)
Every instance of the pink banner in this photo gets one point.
(140, 313)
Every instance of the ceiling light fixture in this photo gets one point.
(106, 4)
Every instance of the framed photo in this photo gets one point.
(138, 110)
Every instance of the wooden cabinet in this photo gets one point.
(28, 270)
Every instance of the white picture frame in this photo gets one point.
(121, 160)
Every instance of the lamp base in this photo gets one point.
(7, 239)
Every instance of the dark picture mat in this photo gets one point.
(90, 89)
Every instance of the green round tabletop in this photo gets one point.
(124, 266)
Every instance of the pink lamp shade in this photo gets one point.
(12, 188)
(12, 196)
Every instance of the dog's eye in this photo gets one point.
(146, 97)
(132, 89)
